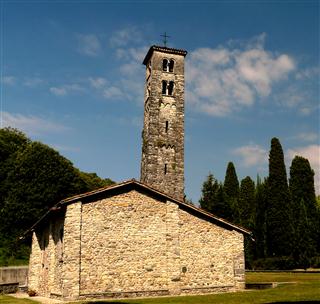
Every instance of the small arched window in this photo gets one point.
(165, 65)
(170, 88)
(164, 87)
(171, 64)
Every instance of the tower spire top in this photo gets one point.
(165, 36)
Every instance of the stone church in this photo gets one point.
(139, 238)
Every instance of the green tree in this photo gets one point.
(247, 203)
(11, 141)
(38, 179)
(259, 231)
(33, 177)
(93, 181)
(301, 185)
(303, 245)
(279, 218)
(220, 206)
(209, 189)
(231, 190)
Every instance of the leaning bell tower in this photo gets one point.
(162, 164)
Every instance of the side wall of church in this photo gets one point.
(132, 244)
(45, 266)
(123, 246)
(211, 257)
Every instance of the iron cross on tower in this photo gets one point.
(165, 36)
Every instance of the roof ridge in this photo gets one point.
(133, 181)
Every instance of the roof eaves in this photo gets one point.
(75, 198)
(163, 49)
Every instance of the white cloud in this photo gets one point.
(224, 80)
(307, 73)
(125, 36)
(306, 110)
(58, 91)
(32, 125)
(312, 153)
(66, 89)
(98, 82)
(9, 80)
(33, 82)
(306, 136)
(252, 155)
(89, 44)
(113, 92)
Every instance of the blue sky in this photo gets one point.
(72, 77)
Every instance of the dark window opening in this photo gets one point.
(171, 64)
(164, 87)
(165, 169)
(165, 65)
(170, 88)
(167, 126)
(184, 269)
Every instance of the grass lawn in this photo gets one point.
(304, 288)
(12, 300)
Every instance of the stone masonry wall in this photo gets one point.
(132, 244)
(211, 257)
(45, 265)
(71, 251)
(34, 263)
(123, 245)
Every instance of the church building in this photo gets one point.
(140, 238)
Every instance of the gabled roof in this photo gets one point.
(134, 184)
(163, 49)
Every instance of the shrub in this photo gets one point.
(277, 263)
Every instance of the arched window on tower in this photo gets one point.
(171, 64)
(165, 65)
(164, 87)
(170, 88)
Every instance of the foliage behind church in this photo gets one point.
(283, 216)
(33, 177)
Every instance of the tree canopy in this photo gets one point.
(279, 224)
(34, 177)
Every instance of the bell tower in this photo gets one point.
(162, 164)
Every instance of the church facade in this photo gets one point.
(140, 238)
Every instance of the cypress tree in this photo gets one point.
(231, 190)
(247, 214)
(209, 189)
(220, 206)
(259, 231)
(301, 185)
(279, 227)
(303, 245)
(247, 203)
